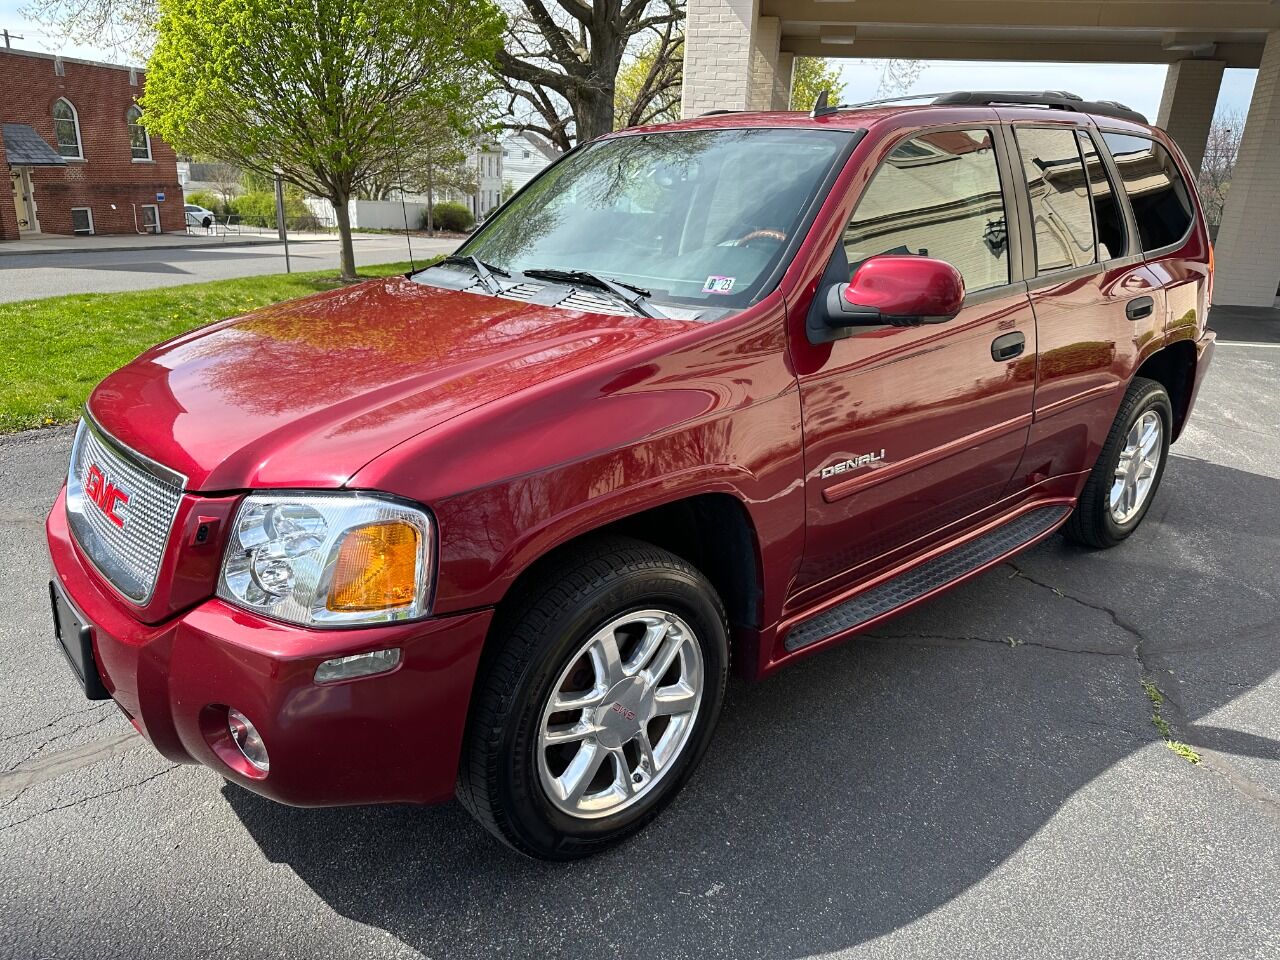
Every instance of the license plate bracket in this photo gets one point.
(75, 638)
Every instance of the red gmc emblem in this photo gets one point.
(105, 494)
(624, 712)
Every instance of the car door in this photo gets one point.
(1097, 304)
(908, 430)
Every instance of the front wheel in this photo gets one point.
(599, 701)
(1127, 474)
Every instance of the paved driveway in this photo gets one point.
(979, 779)
(24, 277)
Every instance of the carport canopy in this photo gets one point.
(739, 55)
(23, 147)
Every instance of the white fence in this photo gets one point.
(373, 214)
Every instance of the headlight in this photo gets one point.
(328, 559)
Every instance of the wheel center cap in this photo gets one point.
(625, 710)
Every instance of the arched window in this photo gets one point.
(138, 138)
(66, 129)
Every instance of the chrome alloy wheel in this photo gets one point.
(1137, 467)
(620, 713)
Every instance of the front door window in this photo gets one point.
(151, 218)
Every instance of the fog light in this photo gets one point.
(359, 665)
(247, 739)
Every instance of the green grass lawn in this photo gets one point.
(54, 351)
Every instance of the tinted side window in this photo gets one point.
(1113, 235)
(1161, 203)
(1060, 204)
(936, 195)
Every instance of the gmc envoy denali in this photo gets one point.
(721, 392)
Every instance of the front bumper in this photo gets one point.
(395, 737)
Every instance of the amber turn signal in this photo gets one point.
(377, 568)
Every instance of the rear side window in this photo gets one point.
(1157, 192)
(1061, 206)
(1113, 236)
(937, 195)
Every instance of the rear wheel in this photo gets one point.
(599, 702)
(1127, 474)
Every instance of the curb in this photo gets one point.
(175, 246)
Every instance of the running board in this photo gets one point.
(916, 582)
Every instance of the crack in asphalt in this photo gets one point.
(1211, 760)
(84, 800)
(39, 748)
(1087, 651)
(27, 775)
(58, 719)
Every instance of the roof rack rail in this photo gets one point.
(1054, 99)
(716, 113)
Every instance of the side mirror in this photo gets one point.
(901, 291)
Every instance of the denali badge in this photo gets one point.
(105, 494)
(866, 460)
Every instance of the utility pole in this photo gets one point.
(10, 36)
(280, 224)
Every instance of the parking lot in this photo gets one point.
(979, 778)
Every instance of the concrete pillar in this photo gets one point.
(1248, 250)
(1187, 104)
(782, 82)
(764, 62)
(719, 41)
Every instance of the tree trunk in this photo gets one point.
(343, 215)
(594, 116)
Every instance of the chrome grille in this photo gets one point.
(128, 552)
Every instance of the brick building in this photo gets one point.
(76, 157)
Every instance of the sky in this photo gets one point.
(1136, 85)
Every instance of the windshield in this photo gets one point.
(699, 217)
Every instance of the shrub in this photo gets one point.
(204, 198)
(454, 217)
(259, 208)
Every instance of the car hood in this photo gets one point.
(304, 393)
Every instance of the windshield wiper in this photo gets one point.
(632, 296)
(484, 271)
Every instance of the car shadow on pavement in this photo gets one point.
(863, 788)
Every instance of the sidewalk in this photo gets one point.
(60, 243)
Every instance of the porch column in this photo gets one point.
(1187, 104)
(764, 62)
(719, 39)
(1248, 249)
(782, 82)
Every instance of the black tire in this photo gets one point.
(1092, 523)
(536, 638)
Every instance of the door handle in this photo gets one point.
(1008, 346)
(1139, 308)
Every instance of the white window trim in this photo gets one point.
(75, 118)
(156, 208)
(146, 136)
(89, 211)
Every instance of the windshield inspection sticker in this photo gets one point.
(718, 285)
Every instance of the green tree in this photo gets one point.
(327, 92)
(809, 77)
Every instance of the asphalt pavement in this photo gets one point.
(30, 276)
(979, 779)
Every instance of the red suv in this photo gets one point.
(726, 391)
